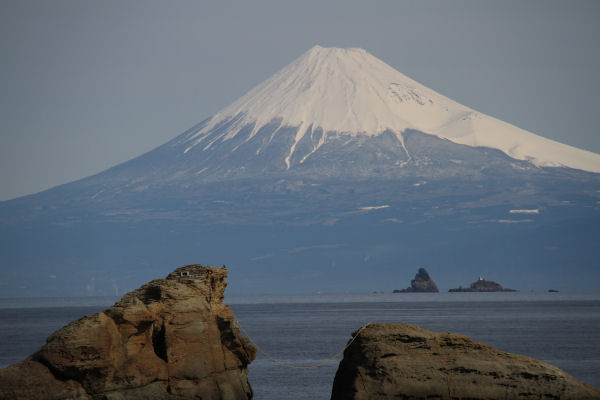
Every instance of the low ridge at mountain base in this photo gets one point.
(402, 361)
(172, 338)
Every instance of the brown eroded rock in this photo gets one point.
(172, 338)
(401, 361)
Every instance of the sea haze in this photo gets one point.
(558, 328)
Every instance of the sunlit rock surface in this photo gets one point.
(401, 361)
(172, 338)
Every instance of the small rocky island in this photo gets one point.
(481, 285)
(401, 361)
(172, 338)
(421, 284)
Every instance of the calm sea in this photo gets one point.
(560, 328)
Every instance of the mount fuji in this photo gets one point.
(330, 95)
(338, 173)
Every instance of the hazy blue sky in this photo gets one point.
(85, 85)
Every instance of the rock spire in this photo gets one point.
(421, 284)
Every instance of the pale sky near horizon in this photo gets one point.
(85, 85)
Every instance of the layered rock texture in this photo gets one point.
(172, 338)
(481, 285)
(400, 361)
(421, 284)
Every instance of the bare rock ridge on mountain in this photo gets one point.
(172, 338)
(421, 284)
(401, 361)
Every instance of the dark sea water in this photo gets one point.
(560, 328)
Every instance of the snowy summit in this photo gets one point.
(350, 92)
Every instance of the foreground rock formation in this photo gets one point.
(481, 285)
(421, 284)
(400, 361)
(172, 338)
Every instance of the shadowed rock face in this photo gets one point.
(421, 284)
(400, 361)
(172, 338)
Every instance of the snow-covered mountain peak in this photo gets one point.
(351, 92)
(342, 90)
